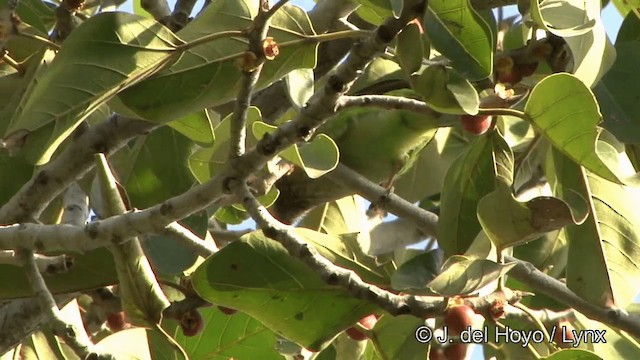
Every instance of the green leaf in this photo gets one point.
(378, 71)
(204, 163)
(472, 176)
(129, 344)
(602, 262)
(237, 336)
(285, 296)
(196, 126)
(300, 86)
(619, 344)
(409, 50)
(509, 222)
(114, 50)
(207, 75)
(629, 30)
(592, 52)
(565, 112)
(374, 11)
(564, 18)
(414, 274)
(337, 217)
(462, 275)
(169, 256)
(159, 167)
(317, 157)
(616, 94)
(395, 338)
(445, 91)
(460, 34)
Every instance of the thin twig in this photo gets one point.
(190, 240)
(76, 338)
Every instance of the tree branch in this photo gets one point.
(426, 221)
(75, 161)
(618, 318)
(76, 338)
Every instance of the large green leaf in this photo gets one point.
(445, 91)
(108, 53)
(617, 91)
(316, 158)
(459, 33)
(564, 18)
(472, 176)
(395, 338)
(159, 170)
(602, 263)
(205, 75)
(565, 111)
(462, 275)
(509, 222)
(580, 24)
(238, 336)
(258, 276)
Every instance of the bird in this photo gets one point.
(379, 144)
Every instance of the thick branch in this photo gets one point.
(528, 274)
(76, 160)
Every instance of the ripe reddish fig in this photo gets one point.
(191, 323)
(476, 124)
(564, 341)
(458, 318)
(226, 310)
(456, 351)
(116, 321)
(368, 322)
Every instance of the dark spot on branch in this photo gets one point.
(234, 267)
(336, 84)
(299, 316)
(404, 309)
(270, 232)
(42, 178)
(227, 184)
(166, 208)
(266, 145)
(38, 245)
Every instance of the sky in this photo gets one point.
(611, 18)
